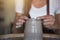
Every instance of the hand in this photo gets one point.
(48, 21)
(20, 20)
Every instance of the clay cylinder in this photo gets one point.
(33, 30)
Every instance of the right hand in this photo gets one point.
(20, 20)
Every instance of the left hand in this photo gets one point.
(48, 21)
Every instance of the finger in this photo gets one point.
(46, 17)
(48, 26)
(48, 23)
(19, 23)
(47, 20)
(21, 20)
(43, 17)
(24, 17)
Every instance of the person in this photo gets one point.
(36, 9)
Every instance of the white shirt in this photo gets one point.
(36, 12)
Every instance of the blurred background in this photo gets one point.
(7, 14)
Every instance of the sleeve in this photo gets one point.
(19, 6)
(54, 7)
(58, 7)
(58, 10)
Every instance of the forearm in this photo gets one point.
(14, 29)
(57, 24)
